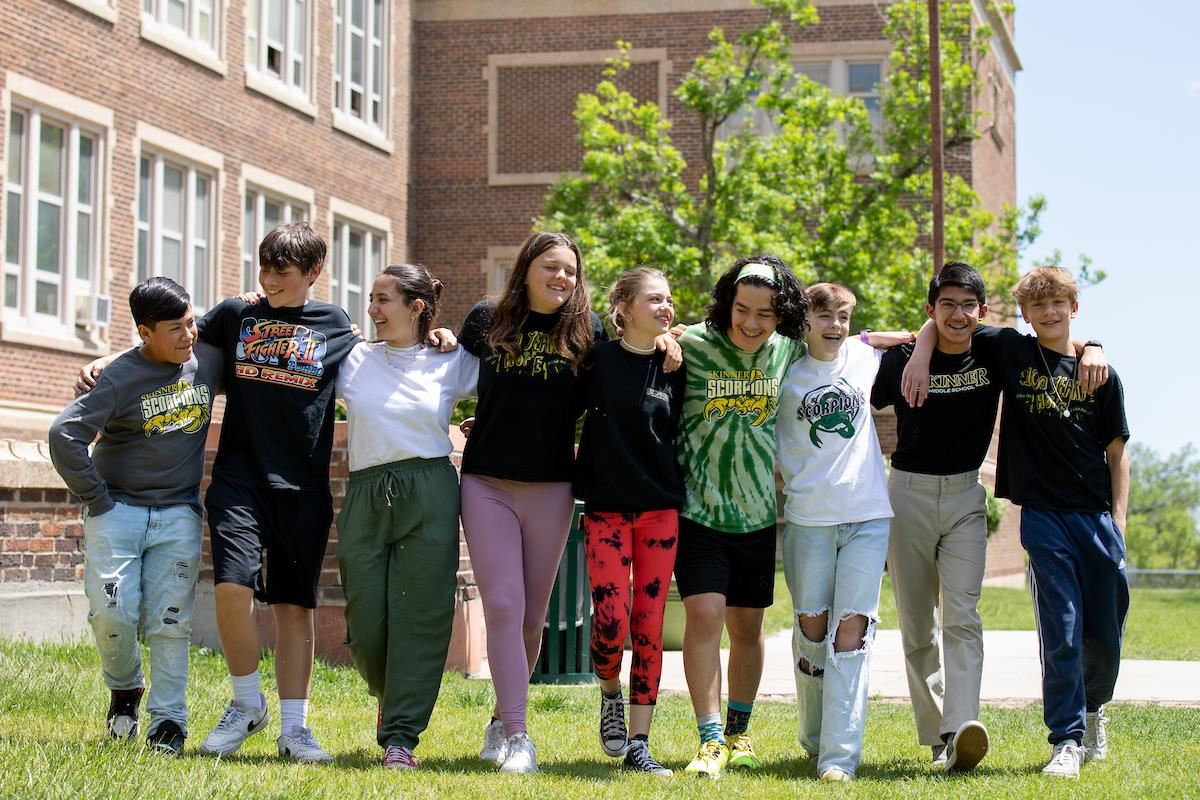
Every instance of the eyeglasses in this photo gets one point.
(949, 306)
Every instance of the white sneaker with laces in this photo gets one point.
(493, 742)
(1095, 738)
(614, 736)
(1065, 761)
(237, 725)
(967, 747)
(520, 756)
(301, 746)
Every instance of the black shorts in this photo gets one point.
(292, 526)
(740, 566)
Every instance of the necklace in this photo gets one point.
(400, 356)
(1065, 405)
(634, 349)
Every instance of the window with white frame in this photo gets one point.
(358, 253)
(277, 41)
(195, 20)
(360, 73)
(175, 234)
(53, 225)
(262, 211)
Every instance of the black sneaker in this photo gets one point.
(122, 717)
(638, 758)
(167, 738)
(614, 736)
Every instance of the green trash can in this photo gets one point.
(567, 637)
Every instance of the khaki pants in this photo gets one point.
(936, 556)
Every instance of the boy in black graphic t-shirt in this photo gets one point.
(1062, 458)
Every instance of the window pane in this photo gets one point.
(876, 116)
(199, 287)
(144, 192)
(275, 20)
(10, 291)
(377, 30)
(46, 298)
(356, 13)
(16, 146)
(177, 14)
(204, 26)
(148, 6)
(12, 229)
(50, 158)
(172, 200)
(49, 237)
(87, 147)
(863, 78)
(376, 69)
(356, 56)
(354, 263)
(83, 245)
(172, 259)
(299, 41)
(252, 23)
(202, 208)
(143, 263)
(376, 264)
(272, 214)
(815, 72)
(353, 304)
(249, 243)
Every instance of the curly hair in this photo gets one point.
(789, 301)
(572, 331)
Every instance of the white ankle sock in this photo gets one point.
(293, 714)
(247, 692)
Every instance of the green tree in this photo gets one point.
(1164, 506)
(815, 183)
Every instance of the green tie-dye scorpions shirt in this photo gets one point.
(726, 445)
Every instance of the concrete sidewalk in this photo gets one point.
(1011, 672)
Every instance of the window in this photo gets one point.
(261, 212)
(862, 81)
(175, 211)
(188, 27)
(360, 75)
(277, 44)
(52, 216)
(497, 268)
(358, 253)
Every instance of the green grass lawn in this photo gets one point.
(52, 703)
(1156, 617)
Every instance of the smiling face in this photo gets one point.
(551, 279)
(169, 341)
(651, 312)
(956, 313)
(752, 316)
(394, 317)
(1050, 316)
(286, 287)
(827, 329)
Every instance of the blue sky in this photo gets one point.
(1108, 128)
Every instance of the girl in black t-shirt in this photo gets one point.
(627, 475)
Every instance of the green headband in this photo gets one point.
(757, 270)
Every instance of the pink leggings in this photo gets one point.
(516, 532)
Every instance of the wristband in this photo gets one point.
(1092, 343)
(863, 334)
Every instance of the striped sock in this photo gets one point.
(737, 718)
(710, 728)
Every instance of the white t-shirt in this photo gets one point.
(399, 400)
(829, 454)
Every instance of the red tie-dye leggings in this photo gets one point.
(616, 542)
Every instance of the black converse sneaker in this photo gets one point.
(638, 758)
(613, 733)
(122, 718)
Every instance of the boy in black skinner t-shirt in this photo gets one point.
(1063, 459)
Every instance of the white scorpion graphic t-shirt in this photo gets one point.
(829, 453)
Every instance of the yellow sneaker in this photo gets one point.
(741, 752)
(711, 758)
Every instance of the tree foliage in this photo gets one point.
(1164, 509)
(786, 167)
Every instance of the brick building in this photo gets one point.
(164, 137)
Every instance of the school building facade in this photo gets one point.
(165, 137)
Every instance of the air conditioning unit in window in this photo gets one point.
(93, 310)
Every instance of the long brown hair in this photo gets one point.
(571, 335)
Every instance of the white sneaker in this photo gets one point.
(614, 736)
(493, 742)
(967, 747)
(520, 756)
(1095, 739)
(835, 775)
(301, 746)
(236, 726)
(1065, 761)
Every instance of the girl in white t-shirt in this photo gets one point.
(835, 541)
(398, 529)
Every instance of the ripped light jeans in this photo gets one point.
(837, 570)
(141, 566)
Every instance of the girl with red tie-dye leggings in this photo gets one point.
(628, 478)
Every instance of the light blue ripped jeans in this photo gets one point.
(141, 564)
(835, 570)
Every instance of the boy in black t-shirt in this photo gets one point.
(1063, 459)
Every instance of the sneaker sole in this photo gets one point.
(970, 746)
(612, 753)
(213, 751)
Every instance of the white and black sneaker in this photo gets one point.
(236, 726)
(301, 745)
(614, 736)
(121, 721)
(638, 759)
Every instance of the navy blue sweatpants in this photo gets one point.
(1080, 597)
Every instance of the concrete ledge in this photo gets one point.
(43, 612)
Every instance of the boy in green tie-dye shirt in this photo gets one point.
(725, 564)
